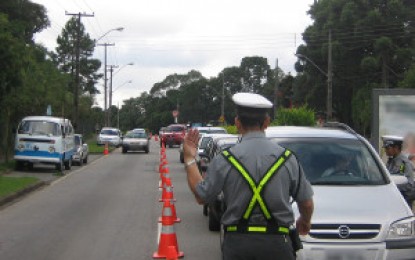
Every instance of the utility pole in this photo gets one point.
(77, 70)
(329, 81)
(277, 83)
(111, 69)
(105, 80)
(222, 111)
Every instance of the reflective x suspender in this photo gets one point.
(257, 189)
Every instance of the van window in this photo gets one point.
(40, 128)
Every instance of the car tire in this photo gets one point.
(68, 164)
(124, 150)
(81, 162)
(214, 224)
(85, 159)
(182, 159)
(147, 150)
(30, 166)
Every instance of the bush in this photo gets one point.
(301, 116)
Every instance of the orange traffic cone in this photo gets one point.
(164, 175)
(106, 149)
(168, 240)
(171, 253)
(169, 212)
(167, 193)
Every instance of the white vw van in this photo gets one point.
(44, 139)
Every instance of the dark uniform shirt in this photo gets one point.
(257, 154)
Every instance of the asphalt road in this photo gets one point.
(107, 209)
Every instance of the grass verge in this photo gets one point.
(11, 185)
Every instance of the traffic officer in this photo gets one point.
(258, 177)
(399, 164)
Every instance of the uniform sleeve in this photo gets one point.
(301, 188)
(409, 172)
(214, 179)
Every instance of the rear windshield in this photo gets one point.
(109, 132)
(339, 162)
(175, 128)
(136, 135)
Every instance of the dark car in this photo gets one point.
(215, 146)
(135, 141)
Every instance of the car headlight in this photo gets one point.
(402, 228)
(20, 147)
(51, 149)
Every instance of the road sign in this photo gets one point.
(175, 113)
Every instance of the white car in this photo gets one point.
(109, 135)
(80, 155)
(358, 211)
(135, 141)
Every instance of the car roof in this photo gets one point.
(302, 131)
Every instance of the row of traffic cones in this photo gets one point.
(167, 247)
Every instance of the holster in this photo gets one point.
(295, 239)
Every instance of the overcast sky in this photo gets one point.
(162, 37)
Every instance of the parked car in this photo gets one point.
(359, 212)
(135, 141)
(203, 130)
(215, 145)
(173, 135)
(81, 152)
(109, 135)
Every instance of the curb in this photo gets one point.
(18, 194)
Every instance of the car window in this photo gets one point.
(136, 135)
(77, 140)
(39, 127)
(328, 161)
(175, 128)
(109, 132)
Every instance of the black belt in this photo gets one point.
(257, 229)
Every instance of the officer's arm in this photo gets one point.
(306, 209)
(189, 153)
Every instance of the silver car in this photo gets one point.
(135, 141)
(359, 212)
(80, 155)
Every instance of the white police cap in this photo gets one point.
(251, 100)
(390, 140)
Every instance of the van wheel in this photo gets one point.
(18, 165)
(59, 166)
(68, 164)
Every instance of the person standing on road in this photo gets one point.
(258, 177)
(399, 164)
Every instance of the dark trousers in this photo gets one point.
(238, 246)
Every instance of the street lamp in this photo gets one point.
(105, 64)
(329, 83)
(120, 29)
(110, 94)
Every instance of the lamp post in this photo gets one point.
(111, 69)
(329, 77)
(120, 29)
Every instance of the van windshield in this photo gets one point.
(39, 128)
(335, 162)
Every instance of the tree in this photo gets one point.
(372, 45)
(66, 60)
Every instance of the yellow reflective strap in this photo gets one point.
(231, 228)
(257, 229)
(283, 230)
(256, 196)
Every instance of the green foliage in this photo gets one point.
(301, 116)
